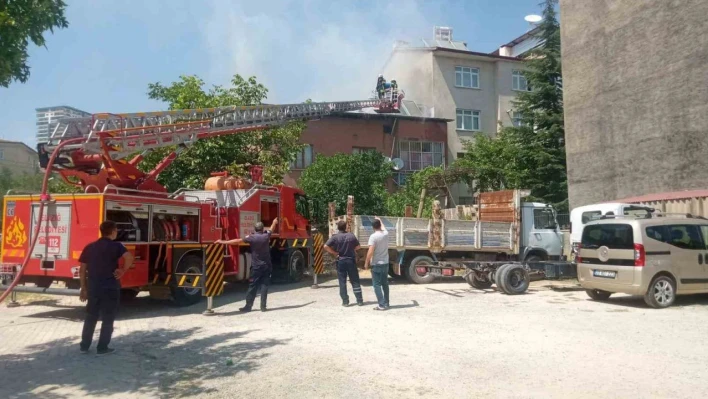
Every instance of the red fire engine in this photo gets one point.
(171, 235)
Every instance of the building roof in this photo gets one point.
(667, 196)
(18, 143)
(370, 113)
(444, 44)
(521, 38)
(457, 51)
(60, 106)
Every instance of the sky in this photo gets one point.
(318, 49)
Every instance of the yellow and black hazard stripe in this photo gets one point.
(290, 243)
(180, 280)
(214, 261)
(319, 253)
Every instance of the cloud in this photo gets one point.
(312, 49)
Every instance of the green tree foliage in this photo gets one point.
(436, 182)
(272, 148)
(332, 179)
(531, 156)
(20, 22)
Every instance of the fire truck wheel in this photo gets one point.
(418, 272)
(187, 296)
(128, 295)
(296, 266)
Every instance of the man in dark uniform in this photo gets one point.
(102, 290)
(261, 265)
(344, 245)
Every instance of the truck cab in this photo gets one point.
(541, 237)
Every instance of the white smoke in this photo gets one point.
(312, 49)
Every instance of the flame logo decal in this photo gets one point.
(15, 235)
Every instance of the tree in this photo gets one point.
(530, 156)
(273, 148)
(332, 179)
(20, 22)
(436, 182)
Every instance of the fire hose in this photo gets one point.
(43, 199)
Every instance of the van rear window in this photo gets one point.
(613, 236)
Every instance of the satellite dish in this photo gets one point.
(533, 18)
(397, 164)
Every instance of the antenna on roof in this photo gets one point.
(533, 20)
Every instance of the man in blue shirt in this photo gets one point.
(343, 246)
(261, 265)
(99, 260)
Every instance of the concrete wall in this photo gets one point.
(636, 97)
(18, 158)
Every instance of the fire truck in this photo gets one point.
(171, 235)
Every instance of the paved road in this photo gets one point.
(441, 340)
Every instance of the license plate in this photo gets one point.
(604, 273)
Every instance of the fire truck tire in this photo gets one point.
(420, 277)
(184, 296)
(296, 266)
(515, 279)
(128, 295)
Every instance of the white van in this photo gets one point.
(582, 215)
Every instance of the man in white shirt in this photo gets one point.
(377, 258)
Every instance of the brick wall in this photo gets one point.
(330, 136)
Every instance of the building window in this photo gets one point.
(418, 155)
(517, 119)
(467, 77)
(467, 119)
(304, 158)
(519, 82)
(361, 150)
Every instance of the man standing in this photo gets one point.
(377, 258)
(100, 261)
(261, 265)
(343, 246)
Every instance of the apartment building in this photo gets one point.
(48, 117)
(18, 158)
(418, 140)
(474, 90)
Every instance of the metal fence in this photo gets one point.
(563, 221)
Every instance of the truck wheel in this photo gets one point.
(661, 293)
(515, 279)
(476, 282)
(497, 277)
(296, 266)
(598, 295)
(187, 296)
(418, 272)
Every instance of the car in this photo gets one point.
(656, 256)
(582, 215)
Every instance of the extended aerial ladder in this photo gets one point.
(93, 151)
